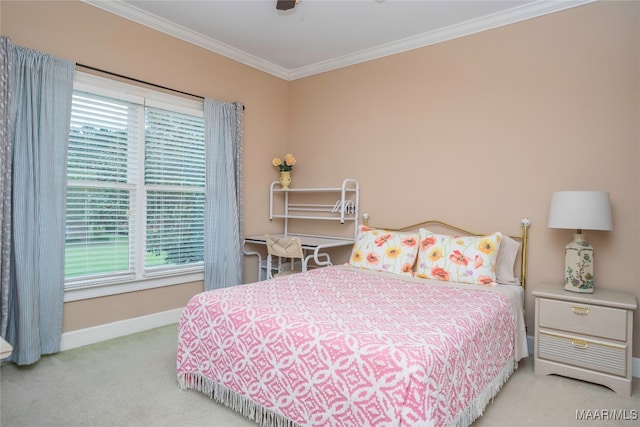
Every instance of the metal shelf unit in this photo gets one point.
(282, 204)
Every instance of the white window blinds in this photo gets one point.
(135, 192)
(101, 171)
(174, 179)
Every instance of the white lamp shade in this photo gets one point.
(580, 210)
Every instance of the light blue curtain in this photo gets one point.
(223, 205)
(41, 87)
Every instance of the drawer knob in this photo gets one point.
(581, 344)
(581, 311)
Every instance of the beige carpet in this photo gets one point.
(131, 381)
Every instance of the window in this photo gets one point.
(135, 189)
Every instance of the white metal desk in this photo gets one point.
(315, 244)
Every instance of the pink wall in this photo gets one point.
(477, 131)
(481, 130)
(90, 36)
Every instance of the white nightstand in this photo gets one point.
(585, 336)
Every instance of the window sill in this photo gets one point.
(103, 290)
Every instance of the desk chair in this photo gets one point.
(284, 248)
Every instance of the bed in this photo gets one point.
(419, 328)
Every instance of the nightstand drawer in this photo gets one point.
(610, 358)
(586, 319)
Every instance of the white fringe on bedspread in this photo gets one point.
(268, 418)
(233, 400)
(476, 408)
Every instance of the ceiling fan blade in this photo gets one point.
(285, 4)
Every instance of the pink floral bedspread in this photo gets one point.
(342, 347)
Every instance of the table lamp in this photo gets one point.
(580, 210)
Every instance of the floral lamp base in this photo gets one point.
(578, 270)
(285, 179)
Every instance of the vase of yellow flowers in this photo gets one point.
(285, 166)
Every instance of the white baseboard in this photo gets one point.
(82, 337)
(635, 363)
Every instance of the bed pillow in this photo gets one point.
(463, 259)
(384, 250)
(505, 264)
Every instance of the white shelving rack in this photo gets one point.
(345, 208)
(299, 204)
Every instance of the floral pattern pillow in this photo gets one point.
(384, 250)
(465, 259)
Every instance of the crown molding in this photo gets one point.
(511, 16)
(152, 21)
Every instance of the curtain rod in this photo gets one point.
(140, 81)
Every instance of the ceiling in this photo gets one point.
(322, 35)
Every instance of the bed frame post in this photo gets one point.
(525, 239)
